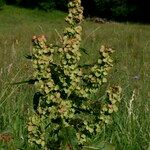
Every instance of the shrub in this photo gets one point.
(66, 116)
(61, 4)
(47, 5)
(103, 7)
(115, 9)
(52, 4)
(2, 2)
(23, 3)
(122, 9)
(41, 4)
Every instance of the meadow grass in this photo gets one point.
(130, 129)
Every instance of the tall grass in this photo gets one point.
(131, 127)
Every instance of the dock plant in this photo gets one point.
(66, 117)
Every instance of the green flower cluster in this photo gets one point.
(99, 71)
(75, 15)
(64, 89)
(112, 100)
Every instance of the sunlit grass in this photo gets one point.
(131, 127)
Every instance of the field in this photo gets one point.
(130, 129)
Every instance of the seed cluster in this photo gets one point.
(64, 88)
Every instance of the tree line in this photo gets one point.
(121, 10)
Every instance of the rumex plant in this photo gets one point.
(66, 116)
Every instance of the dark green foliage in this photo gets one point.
(2, 2)
(52, 4)
(103, 7)
(135, 10)
(61, 4)
(122, 9)
(23, 3)
(47, 5)
(41, 4)
(68, 138)
(114, 9)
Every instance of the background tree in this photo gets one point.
(121, 10)
(2, 2)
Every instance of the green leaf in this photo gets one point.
(30, 81)
(97, 74)
(105, 54)
(84, 50)
(104, 80)
(68, 138)
(97, 145)
(115, 108)
(68, 56)
(99, 61)
(29, 56)
(149, 146)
